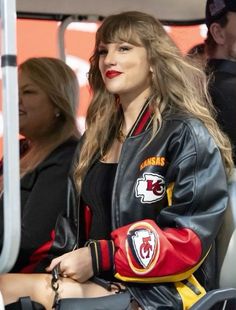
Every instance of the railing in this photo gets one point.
(11, 187)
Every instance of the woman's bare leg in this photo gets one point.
(38, 287)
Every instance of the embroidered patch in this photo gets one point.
(153, 161)
(150, 188)
(143, 247)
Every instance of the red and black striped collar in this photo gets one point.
(143, 121)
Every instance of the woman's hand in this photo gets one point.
(76, 265)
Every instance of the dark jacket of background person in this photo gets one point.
(223, 92)
(43, 197)
(220, 48)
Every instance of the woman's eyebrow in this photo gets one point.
(26, 85)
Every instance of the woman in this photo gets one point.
(47, 117)
(150, 149)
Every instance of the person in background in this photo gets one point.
(151, 178)
(221, 66)
(197, 53)
(48, 98)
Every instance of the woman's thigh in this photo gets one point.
(38, 287)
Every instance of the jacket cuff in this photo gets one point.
(102, 252)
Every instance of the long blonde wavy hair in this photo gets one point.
(176, 85)
(60, 84)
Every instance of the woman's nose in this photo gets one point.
(110, 58)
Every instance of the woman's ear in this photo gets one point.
(218, 33)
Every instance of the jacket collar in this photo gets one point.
(143, 121)
(222, 65)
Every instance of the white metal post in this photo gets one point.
(10, 137)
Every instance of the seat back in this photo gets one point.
(227, 241)
(226, 256)
(1, 302)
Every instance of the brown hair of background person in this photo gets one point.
(151, 172)
(198, 54)
(221, 65)
(48, 96)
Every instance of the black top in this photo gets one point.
(223, 92)
(97, 194)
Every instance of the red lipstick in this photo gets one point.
(110, 74)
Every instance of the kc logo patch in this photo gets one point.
(143, 247)
(150, 188)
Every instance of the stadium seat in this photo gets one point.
(226, 294)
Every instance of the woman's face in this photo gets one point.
(37, 115)
(125, 68)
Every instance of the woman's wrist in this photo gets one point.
(102, 253)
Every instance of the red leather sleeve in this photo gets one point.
(145, 253)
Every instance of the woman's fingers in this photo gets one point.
(76, 265)
(54, 262)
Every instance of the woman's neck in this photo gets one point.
(131, 109)
(39, 142)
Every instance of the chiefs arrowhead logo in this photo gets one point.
(150, 188)
(142, 247)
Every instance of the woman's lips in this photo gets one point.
(110, 74)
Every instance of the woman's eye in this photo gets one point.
(124, 48)
(28, 91)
